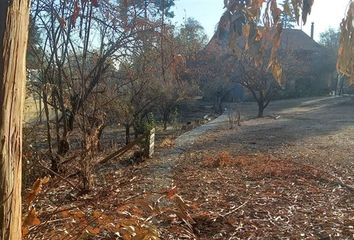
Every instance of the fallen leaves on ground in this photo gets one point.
(216, 195)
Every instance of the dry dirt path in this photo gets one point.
(321, 129)
(167, 159)
(288, 178)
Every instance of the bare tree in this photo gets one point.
(215, 79)
(14, 18)
(261, 84)
(135, 96)
(82, 41)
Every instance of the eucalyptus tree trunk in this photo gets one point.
(14, 17)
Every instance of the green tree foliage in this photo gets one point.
(330, 39)
(192, 38)
(167, 5)
(287, 17)
(34, 41)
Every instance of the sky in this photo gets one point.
(325, 14)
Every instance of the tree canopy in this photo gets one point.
(287, 16)
(330, 38)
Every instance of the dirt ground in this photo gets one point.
(294, 174)
(318, 131)
(284, 178)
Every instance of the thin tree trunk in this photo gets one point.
(218, 104)
(100, 131)
(341, 86)
(46, 112)
(54, 159)
(261, 105)
(260, 110)
(136, 132)
(14, 18)
(166, 114)
(56, 112)
(127, 134)
(40, 109)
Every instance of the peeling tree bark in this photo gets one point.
(14, 17)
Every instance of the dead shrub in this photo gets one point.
(265, 166)
(209, 161)
(222, 159)
(167, 143)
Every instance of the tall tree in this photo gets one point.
(330, 39)
(150, 7)
(287, 17)
(14, 17)
(34, 40)
(192, 38)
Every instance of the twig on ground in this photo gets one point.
(234, 210)
(59, 176)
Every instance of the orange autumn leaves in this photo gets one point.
(345, 61)
(32, 217)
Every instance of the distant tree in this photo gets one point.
(214, 77)
(156, 5)
(330, 39)
(135, 97)
(34, 41)
(253, 49)
(192, 38)
(287, 17)
(258, 80)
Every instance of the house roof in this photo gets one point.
(291, 39)
(295, 39)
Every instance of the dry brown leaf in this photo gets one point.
(345, 61)
(167, 143)
(171, 193)
(36, 188)
(306, 9)
(259, 35)
(30, 220)
(277, 71)
(93, 230)
(246, 33)
(77, 214)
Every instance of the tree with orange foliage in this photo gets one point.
(345, 62)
